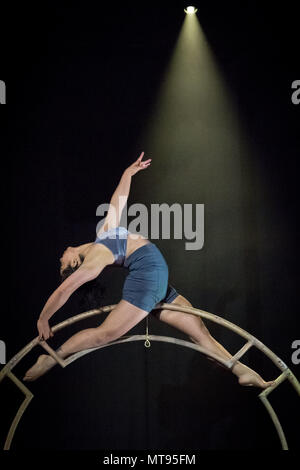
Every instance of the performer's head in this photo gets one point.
(70, 261)
(90, 293)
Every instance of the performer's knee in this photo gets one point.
(102, 336)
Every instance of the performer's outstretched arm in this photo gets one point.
(120, 196)
(90, 268)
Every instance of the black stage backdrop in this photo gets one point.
(80, 81)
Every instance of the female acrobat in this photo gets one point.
(145, 285)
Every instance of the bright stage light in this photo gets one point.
(190, 10)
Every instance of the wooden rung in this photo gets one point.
(277, 381)
(19, 384)
(239, 354)
(22, 408)
(52, 353)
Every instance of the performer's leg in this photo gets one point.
(120, 320)
(195, 328)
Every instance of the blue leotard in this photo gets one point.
(116, 240)
(147, 281)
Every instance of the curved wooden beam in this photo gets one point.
(251, 341)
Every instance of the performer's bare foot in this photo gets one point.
(248, 377)
(251, 378)
(42, 365)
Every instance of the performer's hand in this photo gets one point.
(44, 329)
(139, 165)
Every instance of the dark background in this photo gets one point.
(80, 85)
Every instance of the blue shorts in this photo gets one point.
(147, 281)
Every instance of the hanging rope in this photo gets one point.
(147, 342)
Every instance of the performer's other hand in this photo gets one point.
(139, 165)
(44, 329)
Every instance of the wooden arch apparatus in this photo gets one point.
(286, 373)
